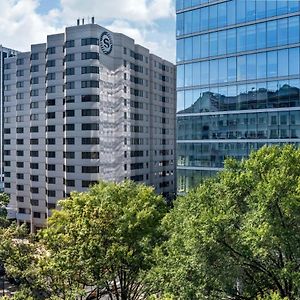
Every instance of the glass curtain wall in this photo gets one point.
(238, 81)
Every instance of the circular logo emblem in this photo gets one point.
(106, 43)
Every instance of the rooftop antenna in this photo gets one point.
(78, 22)
(93, 20)
(82, 21)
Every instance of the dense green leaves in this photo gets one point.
(105, 237)
(237, 235)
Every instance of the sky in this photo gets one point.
(150, 22)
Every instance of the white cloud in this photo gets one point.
(21, 25)
(144, 11)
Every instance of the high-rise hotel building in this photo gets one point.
(238, 81)
(4, 53)
(88, 105)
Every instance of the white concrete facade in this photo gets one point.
(88, 105)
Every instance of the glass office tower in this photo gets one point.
(238, 81)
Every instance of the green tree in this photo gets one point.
(104, 238)
(237, 235)
(4, 200)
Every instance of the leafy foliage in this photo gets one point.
(236, 235)
(105, 238)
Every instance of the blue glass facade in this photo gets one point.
(238, 81)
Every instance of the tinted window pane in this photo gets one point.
(213, 47)
(282, 32)
(293, 30)
(241, 68)
(222, 14)
(196, 47)
(213, 16)
(196, 74)
(271, 8)
(204, 45)
(272, 34)
(213, 70)
(204, 18)
(260, 9)
(180, 50)
(294, 61)
(293, 6)
(231, 12)
(241, 39)
(282, 7)
(283, 64)
(188, 49)
(188, 22)
(261, 65)
(204, 72)
(251, 37)
(231, 69)
(180, 24)
(196, 20)
(231, 41)
(188, 74)
(221, 42)
(223, 70)
(261, 35)
(241, 11)
(251, 66)
(180, 76)
(272, 64)
(250, 9)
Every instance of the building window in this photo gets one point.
(36, 215)
(51, 180)
(50, 50)
(70, 57)
(70, 44)
(90, 155)
(34, 202)
(69, 127)
(89, 55)
(50, 154)
(50, 76)
(90, 141)
(34, 56)
(70, 85)
(89, 112)
(89, 41)
(69, 169)
(69, 99)
(50, 102)
(34, 177)
(90, 70)
(90, 84)
(69, 182)
(69, 141)
(70, 71)
(50, 63)
(34, 129)
(34, 153)
(50, 128)
(90, 126)
(50, 141)
(50, 167)
(90, 98)
(87, 183)
(69, 113)
(34, 68)
(34, 190)
(90, 169)
(51, 89)
(50, 115)
(34, 166)
(34, 141)
(69, 155)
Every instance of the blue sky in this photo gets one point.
(150, 22)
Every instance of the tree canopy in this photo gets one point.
(237, 235)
